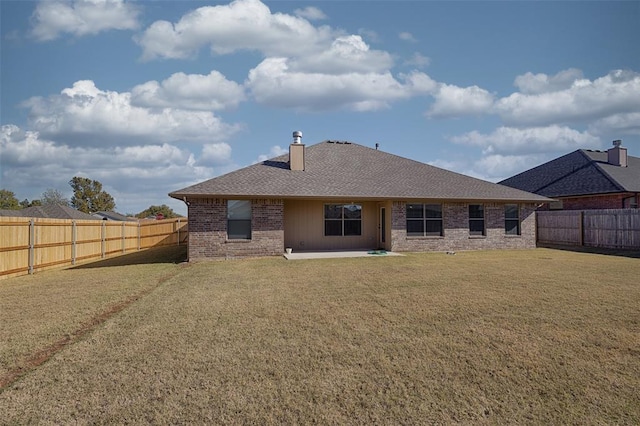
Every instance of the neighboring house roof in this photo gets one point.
(352, 171)
(53, 211)
(582, 172)
(113, 216)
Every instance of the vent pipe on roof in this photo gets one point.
(617, 155)
(296, 152)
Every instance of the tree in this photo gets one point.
(53, 197)
(26, 203)
(164, 210)
(8, 200)
(89, 197)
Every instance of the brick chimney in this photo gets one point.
(296, 152)
(617, 155)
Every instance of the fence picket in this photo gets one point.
(611, 228)
(28, 245)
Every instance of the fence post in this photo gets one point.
(103, 237)
(139, 237)
(32, 243)
(178, 230)
(123, 238)
(581, 228)
(74, 237)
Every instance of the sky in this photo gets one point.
(148, 97)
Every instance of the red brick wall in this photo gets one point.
(208, 230)
(595, 202)
(456, 230)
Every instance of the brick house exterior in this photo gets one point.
(208, 230)
(340, 196)
(456, 232)
(585, 180)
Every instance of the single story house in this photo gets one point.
(585, 179)
(343, 196)
(114, 216)
(50, 211)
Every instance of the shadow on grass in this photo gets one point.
(634, 254)
(169, 254)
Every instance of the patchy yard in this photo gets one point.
(543, 336)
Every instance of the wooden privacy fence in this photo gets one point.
(28, 245)
(591, 228)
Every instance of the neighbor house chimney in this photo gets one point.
(617, 155)
(296, 152)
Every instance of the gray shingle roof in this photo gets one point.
(112, 216)
(49, 211)
(348, 170)
(582, 172)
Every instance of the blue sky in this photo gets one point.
(152, 96)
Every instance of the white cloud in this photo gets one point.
(275, 151)
(189, 91)
(530, 83)
(274, 84)
(346, 54)
(407, 36)
(454, 101)
(84, 114)
(82, 17)
(311, 13)
(497, 167)
(509, 140)
(493, 167)
(624, 123)
(240, 25)
(139, 175)
(368, 34)
(420, 83)
(323, 69)
(216, 154)
(418, 60)
(616, 93)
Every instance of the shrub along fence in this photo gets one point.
(28, 245)
(618, 229)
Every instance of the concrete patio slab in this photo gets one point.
(300, 255)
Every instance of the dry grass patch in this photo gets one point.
(539, 336)
(41, 313)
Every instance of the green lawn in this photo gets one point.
(539, 336)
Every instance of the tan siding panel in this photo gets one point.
(304, 227)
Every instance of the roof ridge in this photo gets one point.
(564, 176)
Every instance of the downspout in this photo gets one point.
(184, 198)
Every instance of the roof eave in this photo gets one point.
(193, 196)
